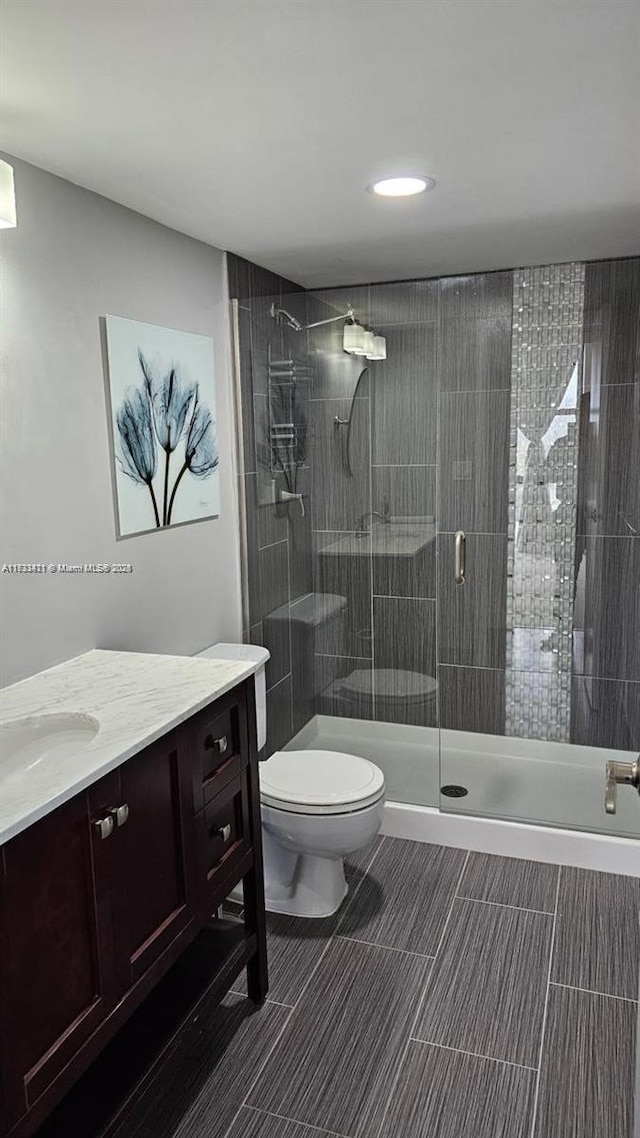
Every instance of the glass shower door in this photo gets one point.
(538, 657)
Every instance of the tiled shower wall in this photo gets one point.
(277, 537)
(426, 443)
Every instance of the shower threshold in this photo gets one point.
(526, 798)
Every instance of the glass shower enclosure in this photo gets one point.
(442, 548)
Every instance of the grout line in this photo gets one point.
(474, 533)
(385, 947)
(272, 544)
(484, 390)
(474, 1054)
(421, 1000)
(374, 853)
(268, 1000)
(546, 1005)
(395, 597)
(593, 992)
(331, 938)
(259, 1071)
(503, 905)
(353, 896)
(277, 685)
(285, 1118)
(336, 656)
(453, 901)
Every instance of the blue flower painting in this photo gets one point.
(161, 386)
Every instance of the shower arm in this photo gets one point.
(298, 327)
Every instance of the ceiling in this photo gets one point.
(255, 125)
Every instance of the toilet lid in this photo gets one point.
(319, 782)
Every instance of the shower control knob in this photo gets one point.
(620, 774)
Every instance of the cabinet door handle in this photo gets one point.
(225, 833)
(459, 557)
(104, 827)
(211, 744)
(120, 814)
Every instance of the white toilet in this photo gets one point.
(317, 807)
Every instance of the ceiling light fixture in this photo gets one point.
(401, 187)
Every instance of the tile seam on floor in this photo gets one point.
(387, 947)
(593, 992)
(351, 899)
(333, 934)
(405, 1050)
(261, 1068)
(534, 1116)
(296, 1121)
(473, 1054)
(504, 905)
(453, 901)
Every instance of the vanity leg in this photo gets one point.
(253, 883)
(257, 973)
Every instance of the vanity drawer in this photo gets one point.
(223, 843)
(217, 743)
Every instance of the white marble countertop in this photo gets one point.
(135, 697)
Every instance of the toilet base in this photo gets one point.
(316, 887)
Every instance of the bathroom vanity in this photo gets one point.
(129, 809)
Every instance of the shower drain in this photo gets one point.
(452, 790)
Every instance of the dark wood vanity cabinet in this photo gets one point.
(103, 897)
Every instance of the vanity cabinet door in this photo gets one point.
(154, 871)
(57, 980)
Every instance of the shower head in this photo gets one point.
(284, 317)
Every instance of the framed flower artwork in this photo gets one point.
(161, 389)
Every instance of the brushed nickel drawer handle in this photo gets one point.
(120, 814)
(459, 558)
(220, 745)
(225, 833)
(104, 827)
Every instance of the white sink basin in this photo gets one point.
(27, 743)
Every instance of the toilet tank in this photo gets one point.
(252, 654)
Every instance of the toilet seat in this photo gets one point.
(319, 782)
(393, 685)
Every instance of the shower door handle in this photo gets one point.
(459, 557)
(619, 774)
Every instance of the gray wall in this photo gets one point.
(73, 258)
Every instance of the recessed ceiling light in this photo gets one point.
(403, 187)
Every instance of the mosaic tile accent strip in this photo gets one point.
(546, 354)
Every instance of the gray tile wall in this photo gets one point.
(605, 695)
(278, 537)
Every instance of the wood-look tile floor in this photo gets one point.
(455, 995)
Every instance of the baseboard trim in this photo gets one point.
(513, 839)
